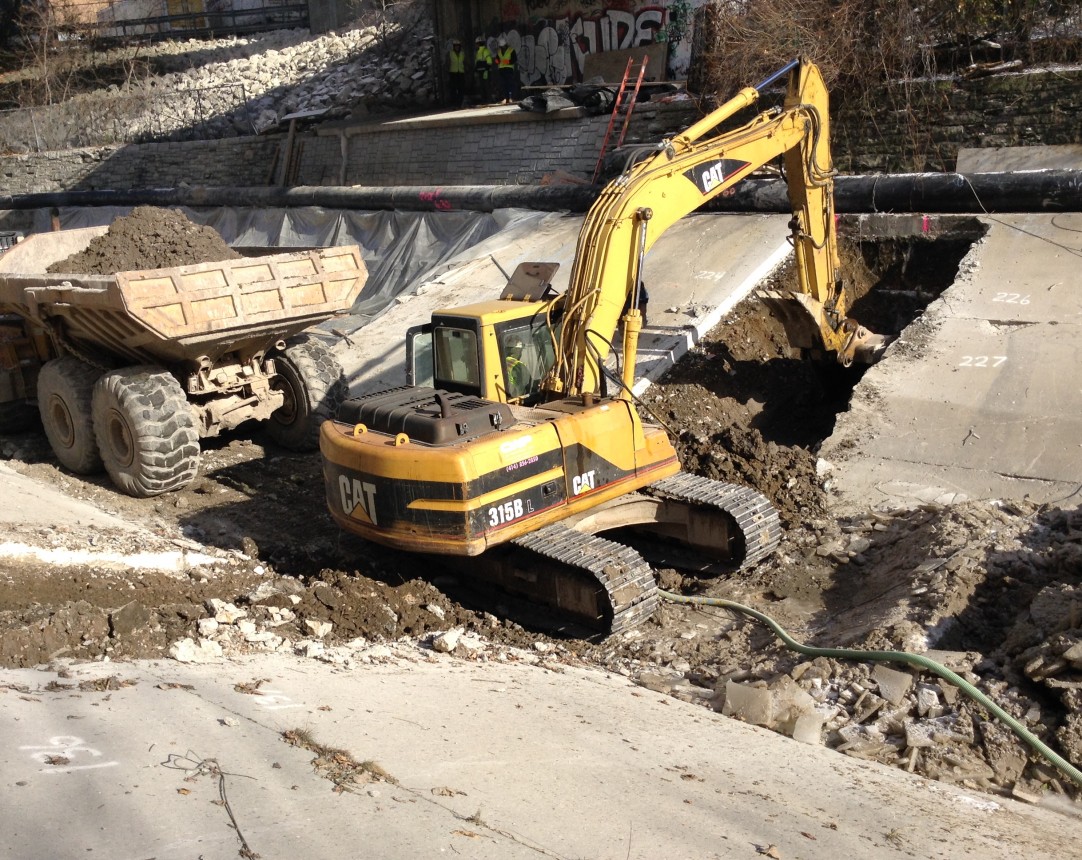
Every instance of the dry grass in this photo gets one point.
(339, 766)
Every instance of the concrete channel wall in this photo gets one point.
(518, 147)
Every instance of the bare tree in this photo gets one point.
(393, 20)
(59, 57)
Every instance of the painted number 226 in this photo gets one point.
(1012, 298)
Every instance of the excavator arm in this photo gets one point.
(683, 174)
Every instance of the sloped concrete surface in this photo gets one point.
(694, 274)
(982, 397)
(495, 761)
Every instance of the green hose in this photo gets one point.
(942, 671)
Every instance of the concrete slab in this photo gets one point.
(982, 397)
(1015, 158)
(695, 273)
(491, 760)
(27, 502)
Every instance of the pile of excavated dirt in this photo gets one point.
(148, 238)
(990, 589)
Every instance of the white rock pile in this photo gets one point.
(248, 85)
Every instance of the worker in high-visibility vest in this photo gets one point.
(505, 67)
(456, 74)
(482, 70)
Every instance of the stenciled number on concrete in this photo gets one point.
(272, 700)
(982, 360)
(1012, 298)
(709, 276)
(62, 751)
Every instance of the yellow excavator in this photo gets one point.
(506, 442)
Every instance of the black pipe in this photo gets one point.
(482, 198)
(974, 193)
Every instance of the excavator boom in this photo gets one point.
(686, 172)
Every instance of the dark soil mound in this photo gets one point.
(149, 238)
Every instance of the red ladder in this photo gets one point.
(620, 94)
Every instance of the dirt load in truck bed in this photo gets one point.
(148, 238)
(992, 586)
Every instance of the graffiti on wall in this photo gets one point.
(552, 48)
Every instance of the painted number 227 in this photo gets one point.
(982, 360)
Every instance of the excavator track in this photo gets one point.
(752, 513)
(619, 574)
(607, 585)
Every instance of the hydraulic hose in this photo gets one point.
(918, 660)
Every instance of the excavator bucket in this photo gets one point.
(808, 326)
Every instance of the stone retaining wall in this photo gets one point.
(521, 148)
(1024, 109)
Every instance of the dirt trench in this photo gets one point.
(994, 587)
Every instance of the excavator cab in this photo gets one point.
(486, 354)
(498, 350)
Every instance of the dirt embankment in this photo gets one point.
(991, 588)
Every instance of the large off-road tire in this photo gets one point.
(65, 392)
(145, 430)
(312, 383)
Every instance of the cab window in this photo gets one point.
(528, 355)
(455, 352)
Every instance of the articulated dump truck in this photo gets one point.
(130, 370)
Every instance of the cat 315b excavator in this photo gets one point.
(506, 441)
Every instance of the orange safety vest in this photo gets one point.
(505, 58)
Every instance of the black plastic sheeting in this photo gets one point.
(400, 249)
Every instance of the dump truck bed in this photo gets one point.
(179, 314)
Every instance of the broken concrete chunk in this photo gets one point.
(894, 686)
(1073, 655)
(319, 629)
(224, 613)
(861, 739)
(928, 701)
(445, 642)
(808, 728)
(789, 704)
(207, 626)
(751, 704)
(918, 735)
(188, 650)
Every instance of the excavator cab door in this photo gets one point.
(420, 366)
(443, 356)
